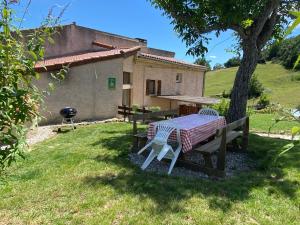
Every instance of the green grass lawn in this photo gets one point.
(274, 77)
(85, 177)
(262, 122)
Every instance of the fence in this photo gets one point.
(126, 111)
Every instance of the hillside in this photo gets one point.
(276, 79)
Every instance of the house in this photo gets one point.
(107, 70)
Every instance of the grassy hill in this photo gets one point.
(276, 79)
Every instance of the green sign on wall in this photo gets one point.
(111, 83)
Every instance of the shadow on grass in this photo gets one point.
(171, 193)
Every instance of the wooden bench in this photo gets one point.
(140, 138)
(225, 135)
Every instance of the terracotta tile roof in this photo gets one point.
(80, 59)
(103, 45)
(169, 60)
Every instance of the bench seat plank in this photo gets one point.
(214, 145)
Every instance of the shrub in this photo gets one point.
(271, 109)
(235, 61)
(263, 101)
(285, 52)
(222, 107)
(135, 108)
(296, 77)
(226, 94)
(256, 88)
(154, 108)
(20, 100)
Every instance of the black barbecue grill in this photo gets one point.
(68, 114)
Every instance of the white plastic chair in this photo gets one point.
(160, 147)
(208, 112)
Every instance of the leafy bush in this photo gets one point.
(271, 109)
(154, 108)
(222, 107)
(263, 101)
(256, 88)
(233, 62)
(20, 100)
(296, 77)
(135, 107)
(272, 51)
(285, 52)
(226, 94)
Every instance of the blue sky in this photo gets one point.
(133, 18)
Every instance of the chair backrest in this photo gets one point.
(208, 111)
(163, 132)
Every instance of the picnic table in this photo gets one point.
(193, 128)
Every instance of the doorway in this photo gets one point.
(126, 99)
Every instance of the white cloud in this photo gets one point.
(213, 56)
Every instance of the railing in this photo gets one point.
(126, 111)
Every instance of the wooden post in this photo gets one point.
(245, 135)
(222, 153)
(207, 160)
(134, 128)
(143, 114)
(124, 111)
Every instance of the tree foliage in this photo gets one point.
(285, 52)
(19, 98)
(218, 66)
(233, 62)
(254, 22)
(193, 19)
(204, 62)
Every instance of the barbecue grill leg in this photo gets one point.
(73, 125)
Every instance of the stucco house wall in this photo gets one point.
(92, 63)
(86, 89)
(74, 39)
(192, 82)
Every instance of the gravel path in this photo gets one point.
(40, 134)
(235, 163)
(280, 136)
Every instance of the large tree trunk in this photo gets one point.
(239, 96)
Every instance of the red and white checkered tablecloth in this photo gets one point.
(194, 129)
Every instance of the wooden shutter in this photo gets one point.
(147, 87)
(159, 87)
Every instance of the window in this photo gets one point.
(179, 78)
(126, 78)
(150, 87)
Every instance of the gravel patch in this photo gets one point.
(39, 134)
(235, 162)
(43, 133)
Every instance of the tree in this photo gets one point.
(218, 66)
(235, 61)
(19, 98)
(285, 52)
(204, 62)
(254, 22)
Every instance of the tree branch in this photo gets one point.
(260, 21)
(268, 29)
(239, 30)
